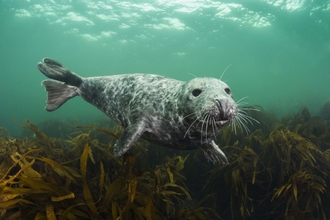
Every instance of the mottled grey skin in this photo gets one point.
(168, 112)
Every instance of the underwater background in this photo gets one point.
(59, 165)
(279, 51)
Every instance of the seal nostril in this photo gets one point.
(222, 115)
(221, 110)
(219, 103)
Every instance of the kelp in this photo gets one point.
(199, 211)
(42, 183)
(301, 195)
(238, 180)
(280, 170)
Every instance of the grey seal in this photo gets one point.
(171, 113)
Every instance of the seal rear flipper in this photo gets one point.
(130, 135)
(55, 70)
(213, 153)
(58, 93)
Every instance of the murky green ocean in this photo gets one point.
(278, 51)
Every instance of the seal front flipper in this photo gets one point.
(130, 135)
(213, 153)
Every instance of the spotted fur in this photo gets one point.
(165, 111)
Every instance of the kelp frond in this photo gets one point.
(199, 211)
(301, 195)
(279, 171)
(283, 155)
(64, 180)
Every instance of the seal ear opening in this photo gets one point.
(58, 93)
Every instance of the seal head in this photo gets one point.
(208, 100)
(207, 106)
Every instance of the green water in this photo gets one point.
(279, 51)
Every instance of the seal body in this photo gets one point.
(165, 111)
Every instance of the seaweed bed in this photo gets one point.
(279, 171)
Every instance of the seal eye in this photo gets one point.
(227, 90)
(196, 92)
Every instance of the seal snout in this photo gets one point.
(226, 109)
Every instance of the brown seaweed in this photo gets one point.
(278, 171)
(53, 187)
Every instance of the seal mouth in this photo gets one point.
(220, 122)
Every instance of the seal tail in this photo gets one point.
(55, 70)
(58, 93)
(64, 86)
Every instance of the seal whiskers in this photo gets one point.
(224, 71)
(181, 120)
(190, 127)
(202, 127)
(240, 121)
(242, 118)
(207, 125)
(214, 128)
